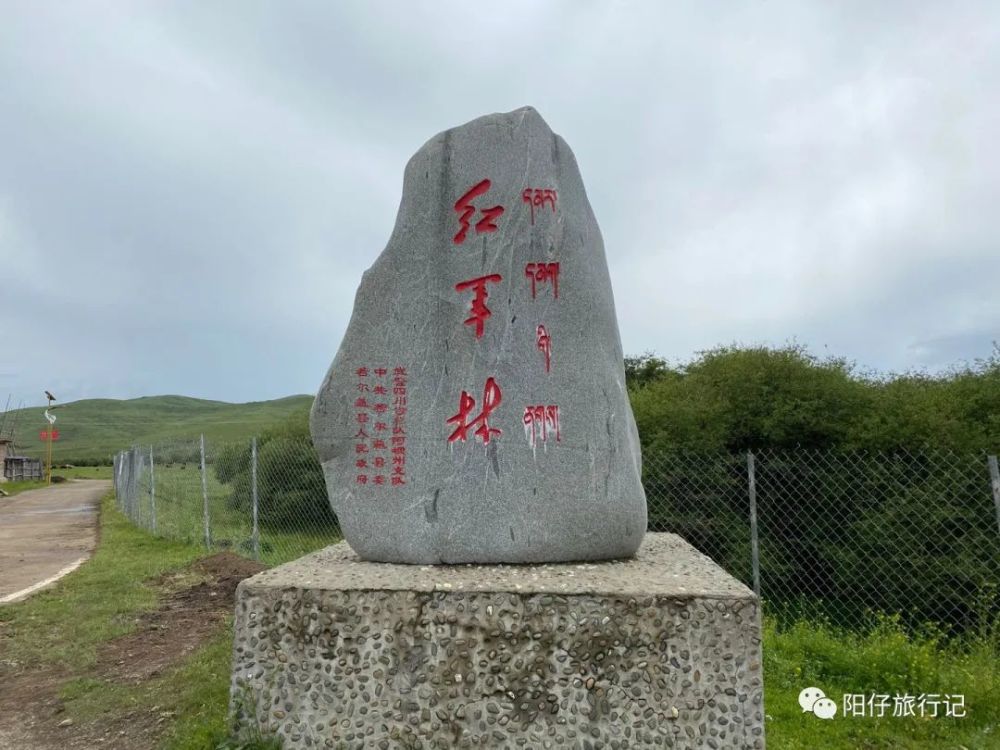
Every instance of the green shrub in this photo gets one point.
(291, 490)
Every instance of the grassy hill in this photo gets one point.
(95, 429)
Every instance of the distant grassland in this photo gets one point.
(95, 429)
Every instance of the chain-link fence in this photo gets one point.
(821, 534)
(266, 501)
(843, 535)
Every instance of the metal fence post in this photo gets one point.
(133, 483)
(124, 481)
(995, 481)
(204, 496)
(119, 486)
(754, 543)
(255, 535)
(141, 461)
(152, 493)
(114, 481)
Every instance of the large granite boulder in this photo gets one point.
(476, 410)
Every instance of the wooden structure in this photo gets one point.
(22, 468)
(6, 447)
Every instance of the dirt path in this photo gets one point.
(32, 713)
(42, 532)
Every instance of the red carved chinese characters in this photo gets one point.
(480, 312)
(544, 343)
(466, 403)
(541, 421)
(540, 273)
(360, 417)
(399, 426)
(465, 211)
(538, 197)
(371, 449)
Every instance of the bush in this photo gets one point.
(291, 490)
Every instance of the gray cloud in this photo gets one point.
(190, 192)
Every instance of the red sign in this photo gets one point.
(44, 435)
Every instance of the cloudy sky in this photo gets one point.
(189, 191)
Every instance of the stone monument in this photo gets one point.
(476, 410)
(479, 449)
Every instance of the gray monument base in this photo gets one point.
(658, 651)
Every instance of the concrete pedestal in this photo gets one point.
(658, 651)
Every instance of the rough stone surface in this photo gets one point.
(659, 651)
(555, 474)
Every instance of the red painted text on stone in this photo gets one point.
(538, 197)
(541, 422)
(466, 210)
(466, 403)
(372, 456)
(541, 273)
(480, 312)
(544, 343)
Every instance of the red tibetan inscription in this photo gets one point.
(538, 197)
(544, 343)
(541, 273)
(541, 421)
(466, 210)
(466, 403)
(480, 312)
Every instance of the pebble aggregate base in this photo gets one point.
(662, 650)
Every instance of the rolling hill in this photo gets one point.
(95, 429)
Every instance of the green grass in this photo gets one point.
(77, 472)
(85, 472)
(63, 628)
(194, 696)
(180, 516)
(65, 625)
(14, 488)
(883, 660)
(96, 429)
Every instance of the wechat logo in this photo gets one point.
(813, 700)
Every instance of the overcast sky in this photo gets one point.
(189, 192)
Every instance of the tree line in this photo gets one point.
(820, 522)
(740, 398)
(870, 488)
(728, 399)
